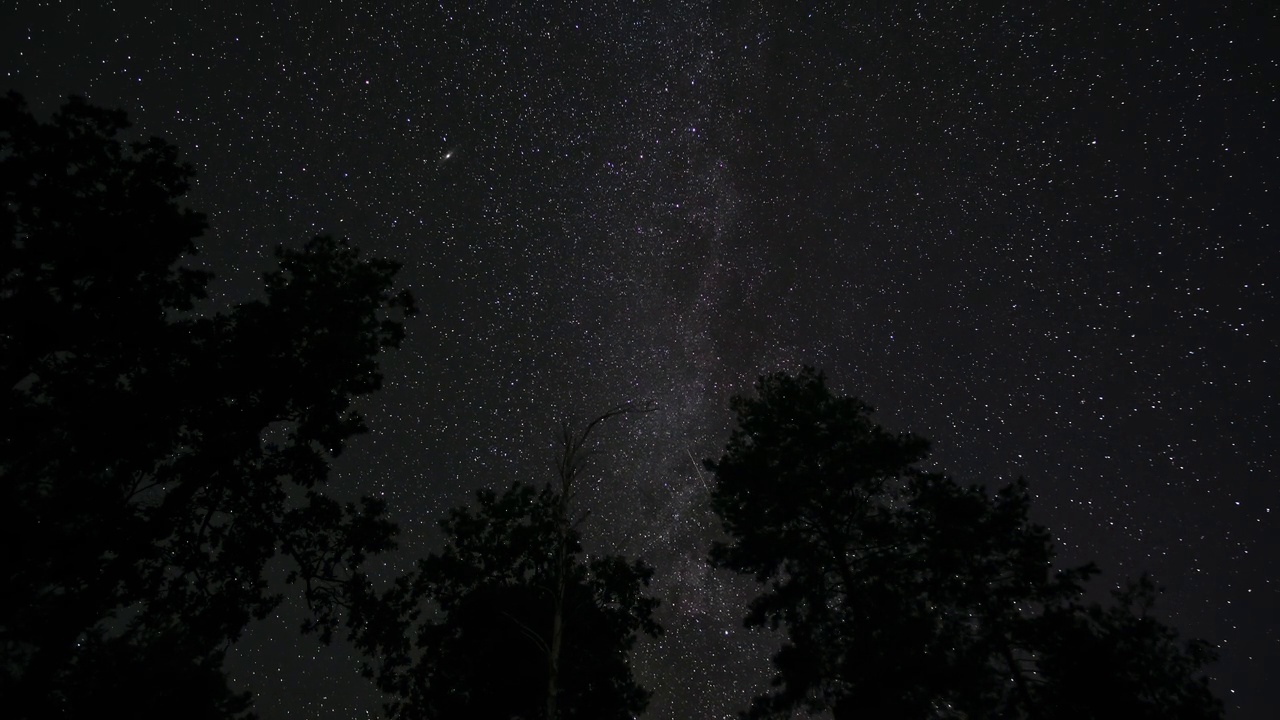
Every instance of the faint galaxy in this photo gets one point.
(1042, 235)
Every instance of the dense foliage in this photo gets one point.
(154, 459)
(904, 594)
(469, 633)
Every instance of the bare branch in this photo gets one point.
(528, 632)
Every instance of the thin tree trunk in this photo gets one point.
(571, 461)
(557, 617)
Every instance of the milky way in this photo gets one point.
(1042, 237)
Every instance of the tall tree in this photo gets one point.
(906, 595)
(152, 459)
(510, 619)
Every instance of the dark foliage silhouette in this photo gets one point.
(152, 459)
(906, 595)
(1121, 655)
(510, 619)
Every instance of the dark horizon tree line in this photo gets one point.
(154, 460)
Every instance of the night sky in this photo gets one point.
(1042, 234)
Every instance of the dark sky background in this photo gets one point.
(1042, 234)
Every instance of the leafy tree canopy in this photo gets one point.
(153, 460)
(468, 634)
(904, 594)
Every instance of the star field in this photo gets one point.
(1044, 237)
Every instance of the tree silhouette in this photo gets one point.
(905, 595)
(1136, 665)
(152, 459)
(510, 620)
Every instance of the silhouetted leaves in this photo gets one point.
(153, 460)
(1135, 664)
(468, 634)
(906, 595)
